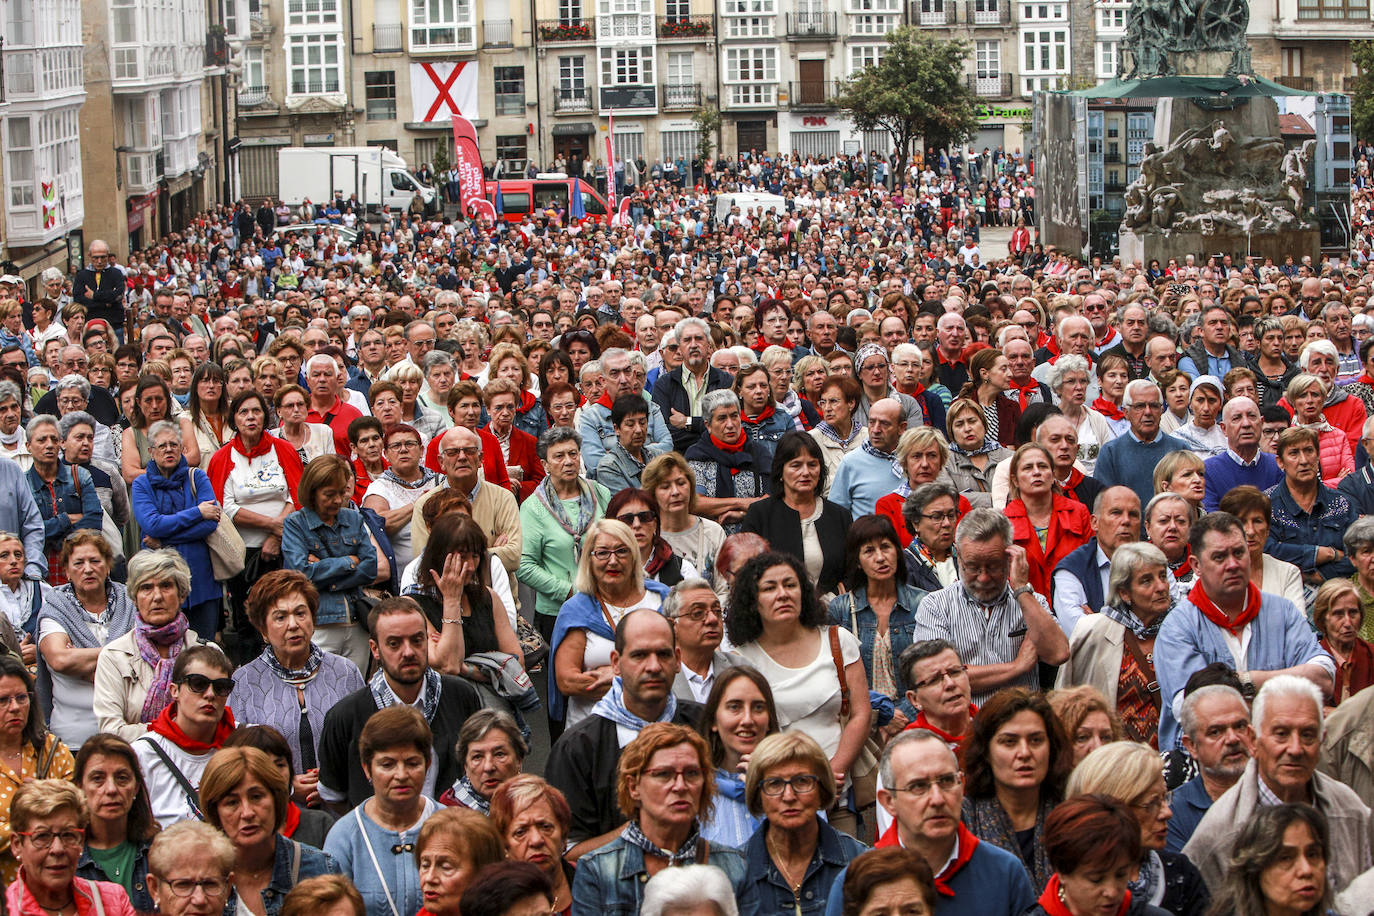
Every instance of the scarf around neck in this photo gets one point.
(1023, 392)
(385, 697)
(65, 607)
(686, 854)
(586, 509)
(612, 707)
(662, 553)
(1198, 595)
(165, 724)
(830, 432)
(170, 636)
(426, 476)
(295, 676)
(989, 446)
(763, 416)
(1108, 409)
(466, 795)
(1127, 618)
(1052, 904)
(876, 452)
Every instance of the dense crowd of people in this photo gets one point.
(763, 538)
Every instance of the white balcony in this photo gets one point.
(179, 156)
(141, 173)
(618, 28)
(752, 95)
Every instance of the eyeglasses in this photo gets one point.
(1147, 405)
(921, 787)
(630, 518)
(802, 784)
(42, 839)
(1155, 805)
(939, 677)
(199, 683)
(667, 776)
(462, 450)
(404, 445)
(947, 516)
(602, 554)
(185, 887)
(18, 699)
(698, 614)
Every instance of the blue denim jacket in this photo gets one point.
(901, 623)
(141, 898)
(61, 499)
(610, 881)
(338, 581)
(834, 850)
(292, 863)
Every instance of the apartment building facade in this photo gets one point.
(41, 134)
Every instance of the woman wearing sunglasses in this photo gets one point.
(183, 738)
(637, 508)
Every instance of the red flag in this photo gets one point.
(468, 159)
(610, 168)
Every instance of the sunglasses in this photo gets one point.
(630, 518)
(199, 683)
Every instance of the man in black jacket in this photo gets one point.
(266, 218)
(680, 406)
(401, 646)
(584, 761)
(100, 287)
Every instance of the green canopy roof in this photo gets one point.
(1188, 87)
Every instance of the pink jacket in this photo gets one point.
(1336, 458)
(93, 898)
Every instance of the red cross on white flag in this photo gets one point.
(441, 89)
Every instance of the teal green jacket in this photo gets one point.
(548, 561)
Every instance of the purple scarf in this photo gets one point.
(147, 639)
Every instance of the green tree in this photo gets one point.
(708, 121)
(1362, 99)
(917, 91)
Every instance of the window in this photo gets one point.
(511, 146)
(680, 144)
(678, 10)
(933, 12)
(1333, 9)
(254, 68)
(379, 88)
(1107, 59)
(312, 12)
(570, 11)
(230, 12)
(861, 56)
(1111, 19)
(20, 20)
(629, 144)
(870, 24)
(572, 76)
(1045, 51)
(19, 158)
(510, 90)
(754, 73)
(987, 11)
(441, 24)
(627, 66)
(314, 63)
(988, 59)
(749, 27)
(1044, 12)
(748, 8)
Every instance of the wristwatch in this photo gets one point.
(1026, 589)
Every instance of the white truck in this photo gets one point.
(374, 173)
(759, 203)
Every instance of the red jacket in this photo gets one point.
(337, 419)
(1070, 528)
(524, 455)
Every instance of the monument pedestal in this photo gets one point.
(1148, 246)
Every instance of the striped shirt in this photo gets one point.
(982, 634)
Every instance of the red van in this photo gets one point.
(521, 197)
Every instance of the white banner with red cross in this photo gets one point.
(441, 89)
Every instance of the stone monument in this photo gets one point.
(1217, 178)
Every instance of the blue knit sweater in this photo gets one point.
(1222, 475)
(1128, 462)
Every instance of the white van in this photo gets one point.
(759, 203)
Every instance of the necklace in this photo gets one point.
(784, 870)
(55, 909)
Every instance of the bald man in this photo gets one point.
(868, 473)
(1242, 463)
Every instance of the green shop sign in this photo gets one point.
(986, 113)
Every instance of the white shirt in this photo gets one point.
(597, 653)
(168, 798)
(72, 697)
(258, 485)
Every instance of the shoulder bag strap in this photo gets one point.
(703, 851)
(192, 796)
(49, 752)
(1132, 643)
(295, 862)
(853, 619)
(835, 655)
(376, 866)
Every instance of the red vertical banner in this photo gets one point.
(610, 169)
(468, 158)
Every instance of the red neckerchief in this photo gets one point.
(1198, 596)
(1105, 337)
(1023, 392)
(604, 400)
(922, 722)
(1108, 409)
(966, 844)
(166, 726)
(527, 402)
(763, 415)
(728, 447)
(760, 344)
(662, 553)
(1054, 359)
(1364, 379)
(1049, 900)
(293, 820)
(1186, 566)
(222, 462)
